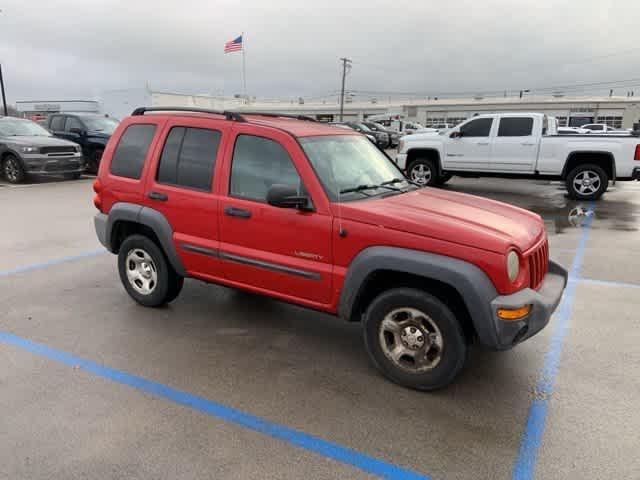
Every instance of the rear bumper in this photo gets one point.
(544, 301)
(100, 222)
(635, 175)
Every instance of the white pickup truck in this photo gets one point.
(521, 145)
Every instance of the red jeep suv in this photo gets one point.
(318, 216)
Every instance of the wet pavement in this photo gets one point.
(563, 405)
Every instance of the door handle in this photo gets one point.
(158, 196)
(527, 144)
(483, 143)
(237, 212)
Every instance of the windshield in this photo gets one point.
(362, 126)
(18, 127)
(100, 124)
(345, 162)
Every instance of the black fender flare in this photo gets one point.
(149, 217)
(417, 150)
(473, 285)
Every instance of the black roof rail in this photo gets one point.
(276, 115)
(228, 115)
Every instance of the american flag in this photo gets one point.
(234, 45)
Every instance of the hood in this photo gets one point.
(36, 141)
(453, 217)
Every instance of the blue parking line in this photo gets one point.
(524, 466)
(50, 263)
(289, 435)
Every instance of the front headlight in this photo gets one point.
(29, 149)
(78, 148)
(513, 265)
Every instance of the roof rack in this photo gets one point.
(278, 115)
(228, 115)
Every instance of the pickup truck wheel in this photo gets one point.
(414, 339)
(13, 170)
(423, 172)
(587, 182)
(145, 273)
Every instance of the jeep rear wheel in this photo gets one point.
(145, 272)
(423, 172)
(414, 339)
(587, 182)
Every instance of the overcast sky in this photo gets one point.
(76, 49)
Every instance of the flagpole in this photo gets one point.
(244, 70)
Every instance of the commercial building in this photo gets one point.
(618, 112)
(40, 108)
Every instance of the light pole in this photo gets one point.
(345, 64)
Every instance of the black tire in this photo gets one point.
(73, 176)
(13, 170)
(453, 351)
(423, 171)
(164, 284)
(175, 290)
(591, 172)
(93, 162)
(444, 178)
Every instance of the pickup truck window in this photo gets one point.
(72, 122)
(342, 162)
(128, 159)
(515, 127)
(57, 123)
(188, 158)
(258, 163)
(480, 127)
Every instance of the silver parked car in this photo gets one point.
(26, 148)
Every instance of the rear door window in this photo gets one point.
(128, 158)
(515, 127)
(188, 158)
(73, 122)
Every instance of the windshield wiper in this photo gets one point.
(359, 189)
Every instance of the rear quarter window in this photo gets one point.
(129, 155)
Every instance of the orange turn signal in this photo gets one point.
(514, 313)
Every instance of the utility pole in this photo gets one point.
(4, 99)
(346, 63)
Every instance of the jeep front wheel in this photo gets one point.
(145, 272)
(423, 172)
(414, 339)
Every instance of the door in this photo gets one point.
(472, 150)
(283, 251)
(74, 129)
(515, 148)
(56, 125)
(181, 188)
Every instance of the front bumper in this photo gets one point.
(543, 301)
(401, 161)
(39, 164)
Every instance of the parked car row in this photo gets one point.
(62, 144)
(378, 134)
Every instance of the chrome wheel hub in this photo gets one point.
(587, 182)
(141, 271)
(420, 173)
(411, 340)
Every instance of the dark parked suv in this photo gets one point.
(89, 130)
(27, 148)
(320, 217)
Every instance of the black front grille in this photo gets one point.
(62, 165)
(63, 149)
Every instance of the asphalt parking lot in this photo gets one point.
(225, 384)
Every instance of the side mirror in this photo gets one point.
(286, 196)
(78, 131)
(456, 134)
